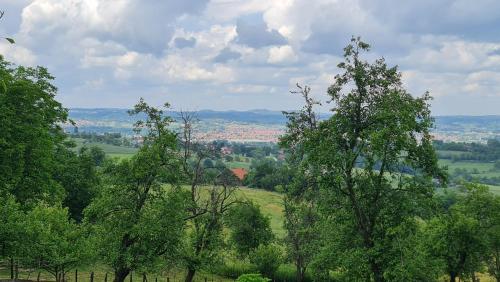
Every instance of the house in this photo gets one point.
(240, 173)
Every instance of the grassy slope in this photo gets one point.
(271, 205)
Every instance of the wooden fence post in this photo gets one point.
(106, 277)
(168, 279)
(76, 275)
(144, 278)
(17, 270)
(38, 277)
(130, 276)
(12, 268)
(205, 279)
(92, 276)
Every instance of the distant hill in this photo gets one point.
(121, 115)
(468, 123)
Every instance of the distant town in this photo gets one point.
(267, 126)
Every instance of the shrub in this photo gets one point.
(252, 278)
(234, 269)
(267, 259)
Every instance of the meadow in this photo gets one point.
(112, 151)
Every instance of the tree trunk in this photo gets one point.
(378, 275)
(190, 274)
(121, 274)
(452, 277)
(300, 273)
(12, 268)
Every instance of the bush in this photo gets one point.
(249, 228)
(252, 278)
(234, 269)
(267, 259)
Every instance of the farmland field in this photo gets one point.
(110, 150)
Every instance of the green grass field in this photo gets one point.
(233, 164)
(271, 204)
(476, 169)
(110, 150)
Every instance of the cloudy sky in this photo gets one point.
(232, 54)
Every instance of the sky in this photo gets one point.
(241, 55)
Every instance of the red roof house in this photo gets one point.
(239, 172)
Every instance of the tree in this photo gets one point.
(97, 155)
(248, 227)
(139, 214)
(302, 235)
(55, 243)
(300, 201)
(493, 243)
(211, 195)
(77, 174)
(374, 163)
(455, 238)
(266, 174)
(12, 230)
(483, 206)
(30, 132)
(464, 237)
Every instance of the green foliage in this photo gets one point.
(136, 220)
(267, 259)
(372, 164)
(234, 268)
(463, 236)
(249, 228)
(252, 278)
(96, 154)
(267, 173)
(55, 244)
(302, 239)
(12, 228)
(77, 174)
(30, 132)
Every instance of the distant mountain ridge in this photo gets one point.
(258, 116)
(121, 115)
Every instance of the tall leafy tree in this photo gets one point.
(136, 218)
(77, 174)
(373, 160)
(12, 231)
(300, 202)
(30, 132)
(211, 192)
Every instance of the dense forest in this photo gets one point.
(363, 195)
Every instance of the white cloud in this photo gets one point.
(113, 51)
(281, 54)
(483, 83)
(17, 54)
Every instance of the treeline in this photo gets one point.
(364, 197)
(470, 151)
(161, 209)
(116, 139)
